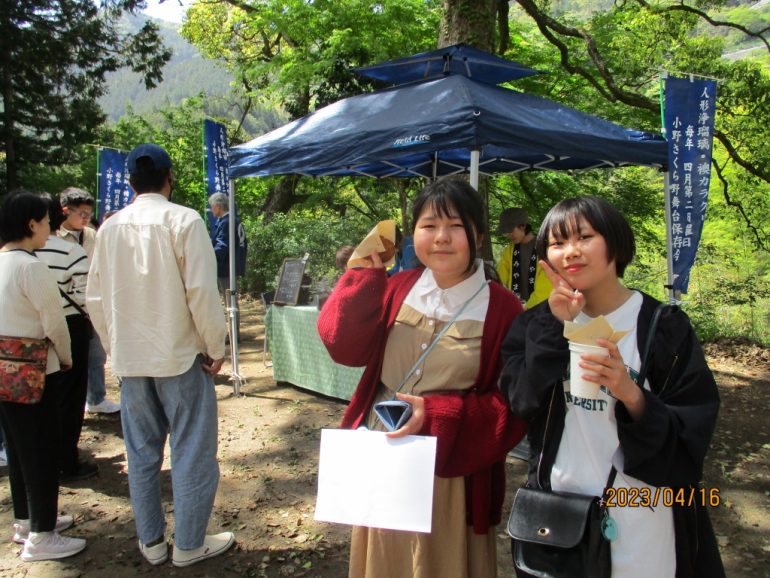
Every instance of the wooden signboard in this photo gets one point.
(290, 281)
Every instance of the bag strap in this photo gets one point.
(75, 305)
(435, 339)
(643, 368)
(649, 343)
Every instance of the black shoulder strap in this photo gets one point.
(643, 369)
(75, 305)
(649, 342)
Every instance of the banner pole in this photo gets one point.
(98, 192)
(667, 198)
(204, 173)
(669, 241)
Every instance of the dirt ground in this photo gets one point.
(269, 440)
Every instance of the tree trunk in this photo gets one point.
(282, 197)
(472, 22)
(406, 226)
(8, 140)
(469, 21)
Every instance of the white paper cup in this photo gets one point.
(578, 386)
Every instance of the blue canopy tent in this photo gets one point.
(456, 59)
(443, 126)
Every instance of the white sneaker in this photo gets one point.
(50, 546)
(21, 527)
(212, 546)
(3, 458)
(155, 555)
(105, 406)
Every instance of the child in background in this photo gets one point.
(654, 436)
(385, 324)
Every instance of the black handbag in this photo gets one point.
(563, 534)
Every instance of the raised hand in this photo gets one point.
(565, 301)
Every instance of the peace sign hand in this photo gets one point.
(565, 302)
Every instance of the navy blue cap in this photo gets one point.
(157, 154)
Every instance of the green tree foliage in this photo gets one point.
(54, 55)
(299, 54)
(609, 62)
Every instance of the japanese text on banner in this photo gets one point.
(689, 121)
(215, 141)
(114, 190)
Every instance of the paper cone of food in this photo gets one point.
(382, 240)
(588, 333)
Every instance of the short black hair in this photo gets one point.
(147, 179)
(19, 207)
(75, 197)
(605, 219)
(444, 194)
(55, 214)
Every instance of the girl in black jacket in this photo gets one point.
(656, 436)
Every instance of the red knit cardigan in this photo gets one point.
(475, 429)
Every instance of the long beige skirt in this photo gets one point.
(451, 550)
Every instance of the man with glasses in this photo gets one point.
(78, 207)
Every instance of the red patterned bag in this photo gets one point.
(22, 368)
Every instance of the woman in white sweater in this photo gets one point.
(31, 307)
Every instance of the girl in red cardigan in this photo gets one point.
(385, 324)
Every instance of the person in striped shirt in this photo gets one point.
(78, 208)
(69, 264)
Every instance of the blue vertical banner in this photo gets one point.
(217, 159)
(114, 190)
(215, 143)
(689, 122)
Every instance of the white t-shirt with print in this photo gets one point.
(645, 543)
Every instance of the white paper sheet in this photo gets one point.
(366, 479)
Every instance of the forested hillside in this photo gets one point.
(186, 74)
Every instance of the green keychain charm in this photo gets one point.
(609, 528)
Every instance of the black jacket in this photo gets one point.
(666, 447)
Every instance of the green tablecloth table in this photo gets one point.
(300, 358)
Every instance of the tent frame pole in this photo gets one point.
(231, 296)
(475, 157)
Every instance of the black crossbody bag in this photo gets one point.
(563, 534)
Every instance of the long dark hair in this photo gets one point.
(446, 194)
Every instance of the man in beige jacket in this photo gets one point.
(153, 299)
